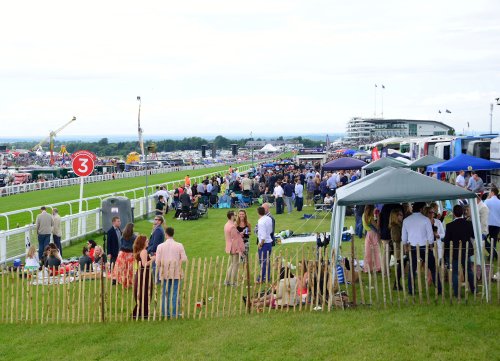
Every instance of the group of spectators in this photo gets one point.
(286, 187)
(158, 255)
(407, 229)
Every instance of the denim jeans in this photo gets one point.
(299, 203)
(264, 255)
(57, 242)
(171, 294)
(279, 205)
(454, 276)
(43, 241)
(288, 203)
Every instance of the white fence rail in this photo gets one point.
(13, 242)
(73, 207)
(30, 187)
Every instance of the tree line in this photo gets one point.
(105, 148)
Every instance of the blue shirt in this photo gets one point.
(332, 182)
(493, 205)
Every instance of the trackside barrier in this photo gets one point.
(31, 187)
(13, 242)
(137, 193)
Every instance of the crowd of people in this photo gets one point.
(287, 188)
(408, 229)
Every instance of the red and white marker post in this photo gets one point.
(83, 162)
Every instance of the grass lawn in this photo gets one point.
(417, 333)
(205, 237)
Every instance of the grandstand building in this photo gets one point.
(368, 130)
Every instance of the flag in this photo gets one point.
(468, 126)
(375, 85)
(383, 86)
(375, 155)
(447, 111)
(439, 111)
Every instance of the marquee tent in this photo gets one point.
(463, 162)
(425, 161)
(343, 163)
(382, 163)
(398, 185)
(268, 148)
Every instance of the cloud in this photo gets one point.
(268, 65)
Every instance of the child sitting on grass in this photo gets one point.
(32, 262)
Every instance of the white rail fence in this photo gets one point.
(73, 204)
(13, 242)
(30, 187)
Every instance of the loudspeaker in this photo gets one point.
(203, 151)
(234, 149)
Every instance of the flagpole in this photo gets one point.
(491, 118)
(375, 111)
(382, 96)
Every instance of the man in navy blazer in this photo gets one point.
(459, 230)
(114, 236)
(157, 237)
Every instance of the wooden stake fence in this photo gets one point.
(59, 296)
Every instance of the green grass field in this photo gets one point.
(417, 333)
(72, 193)
(412, 332)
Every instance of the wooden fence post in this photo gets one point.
(459, 272)
(450, 273)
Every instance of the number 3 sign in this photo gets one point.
(83, 162)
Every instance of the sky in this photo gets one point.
(235, 67)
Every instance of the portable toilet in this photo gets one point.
(116, 207)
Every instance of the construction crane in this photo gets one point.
(50, 138)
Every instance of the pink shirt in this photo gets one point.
(169, 257)
(234, 241)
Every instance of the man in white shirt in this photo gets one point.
(460, 181)
(493, 204)
(278, 196)
(299, 195)
(264, 230)
(417, 230)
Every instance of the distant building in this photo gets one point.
(275, 143)
(367, 130)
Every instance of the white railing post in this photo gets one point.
(3, 247)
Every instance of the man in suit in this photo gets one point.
(113, 239)
(459, 230)
(157, 237)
